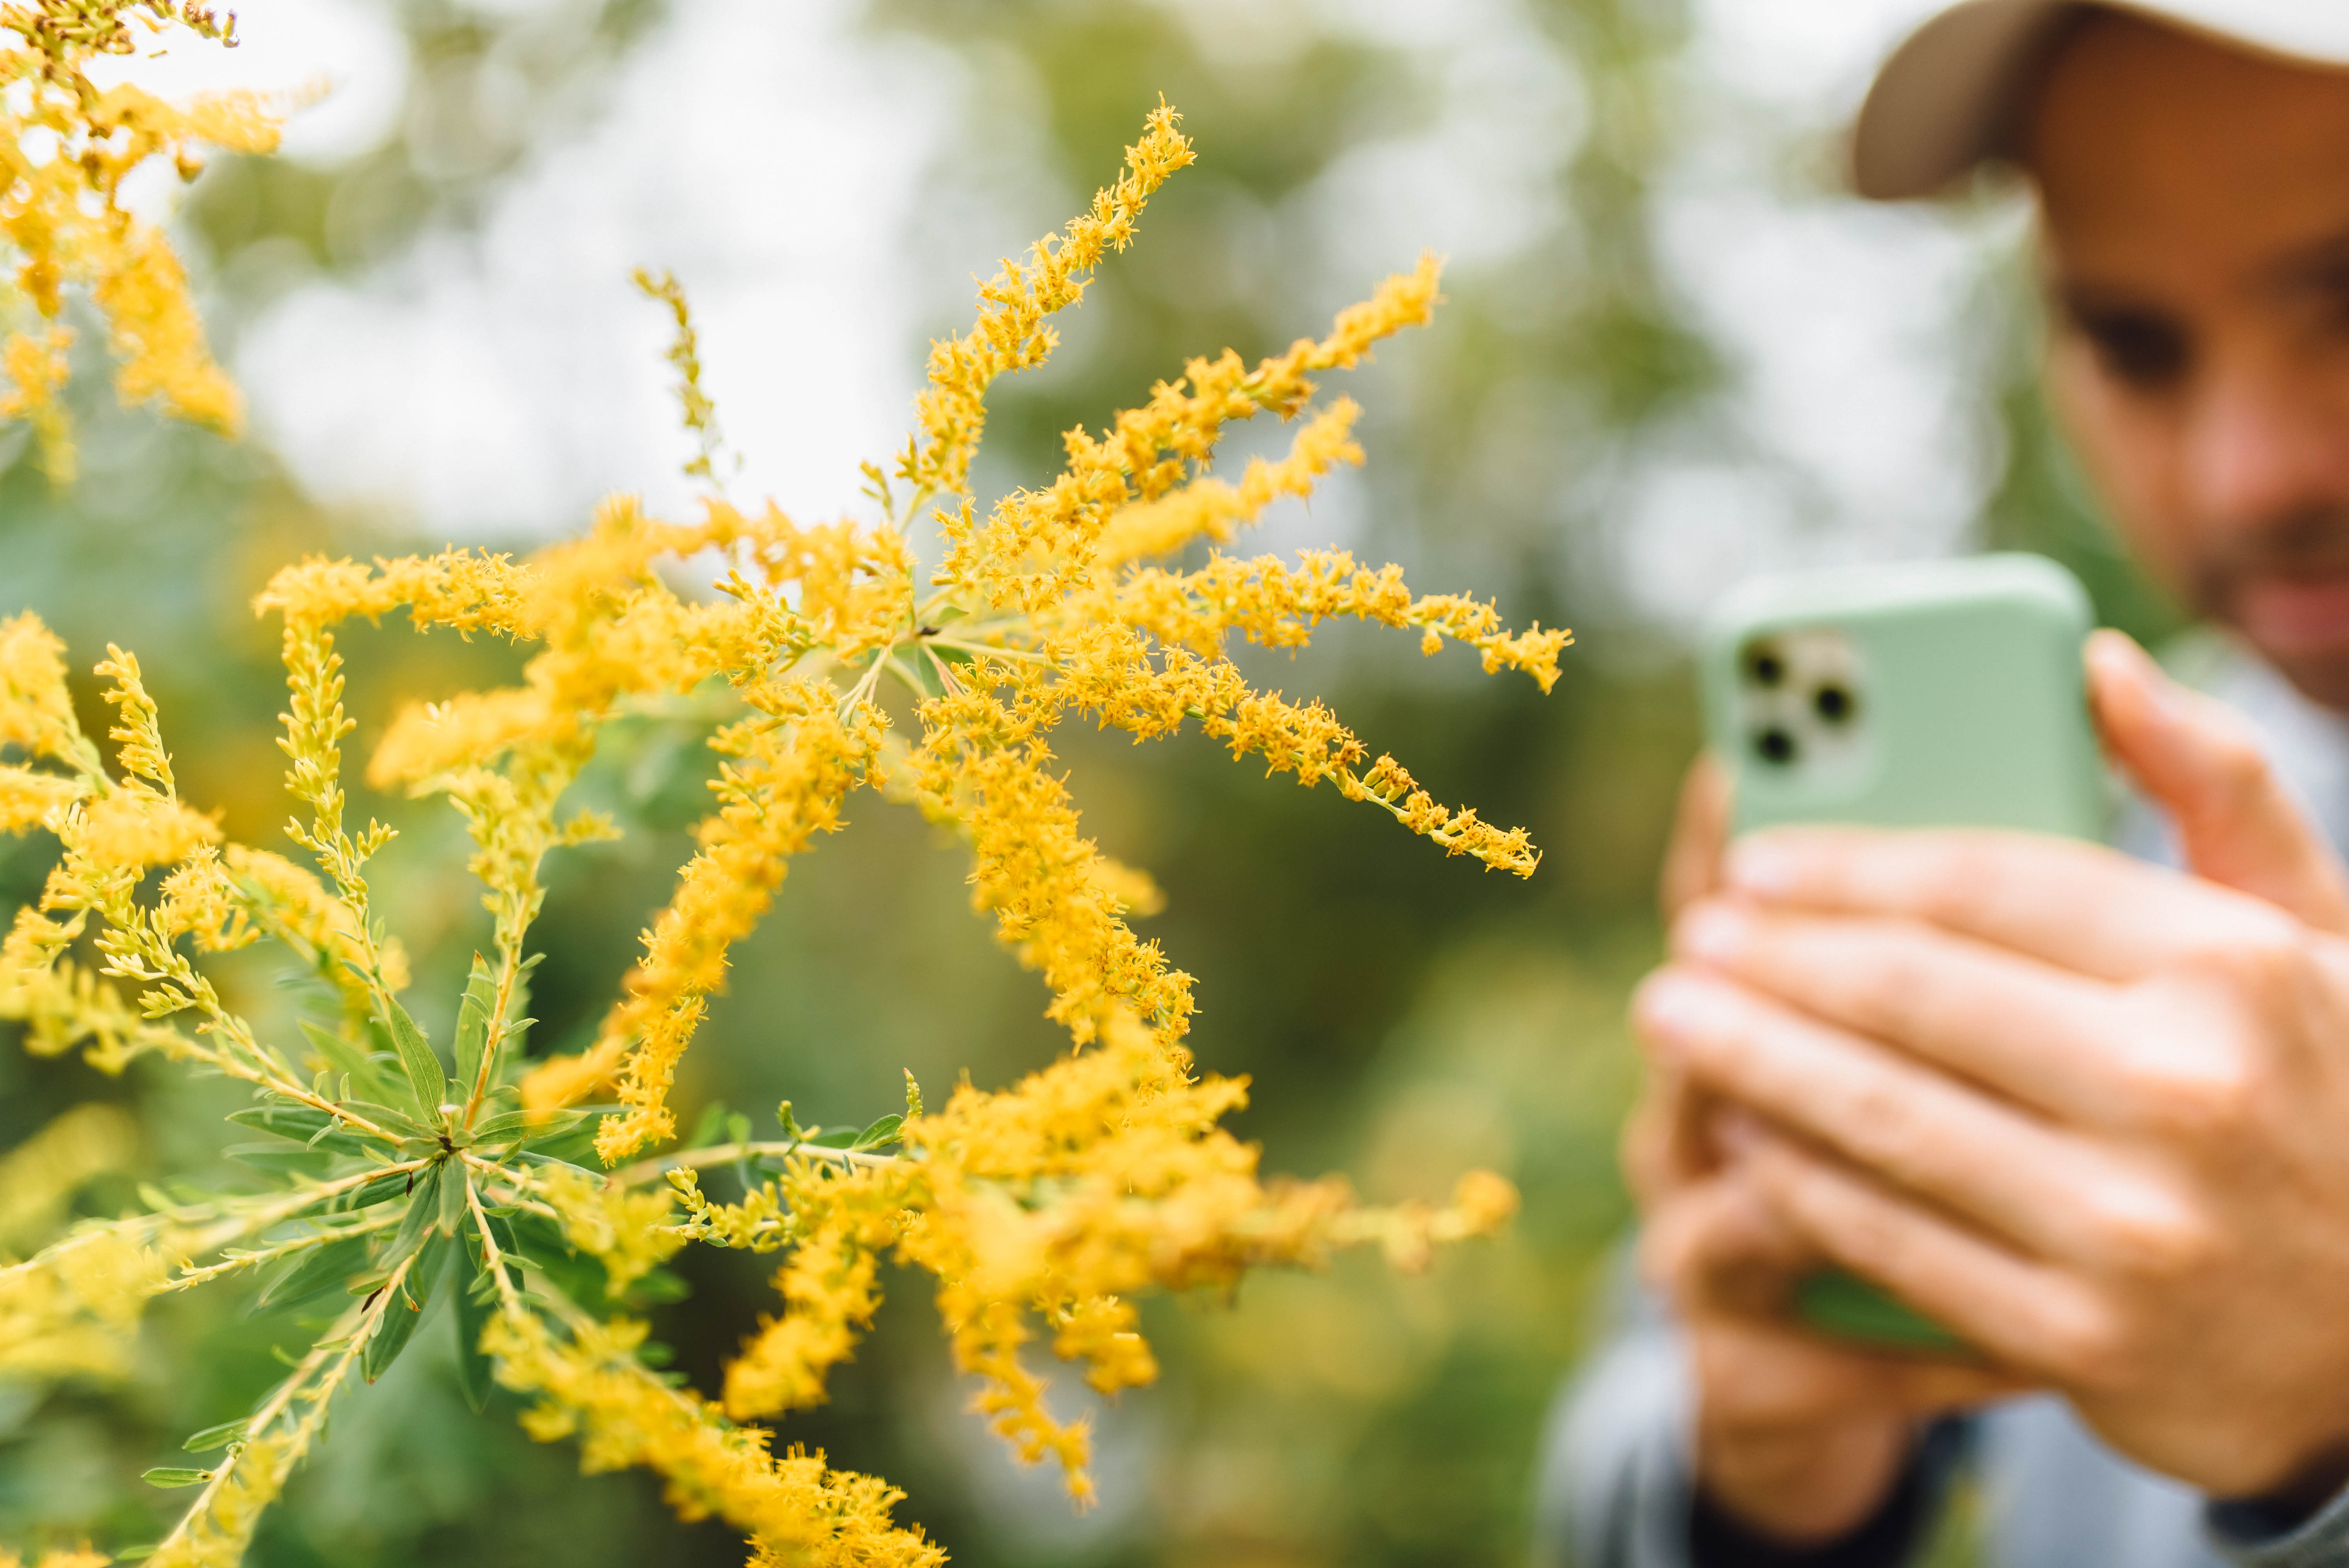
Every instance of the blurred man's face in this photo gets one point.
(2195, 208)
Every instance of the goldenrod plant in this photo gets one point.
(66, 146)
(538, 1197)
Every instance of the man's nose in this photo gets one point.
(2266, 444)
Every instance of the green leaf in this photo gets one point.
(392, 1120)
(423, 1209)
(473, 1011)
(659, 1288)
(574, 1143)
(884, 1130)
(426, 1078)
(294, 1121)
(455, 1183)
(511, 1127)
(323, 1268)
(392, 1184)
(279, 1159)
(301, 1123)
(405, 1311)
(218, 1437)
(474, 1310)
(707, 1126)
(346, 1058)
(168, 1475)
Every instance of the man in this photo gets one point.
(2090, 1112)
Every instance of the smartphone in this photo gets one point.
(1932, 694)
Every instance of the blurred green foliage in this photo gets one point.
(1401, 1016)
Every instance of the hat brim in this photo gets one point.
(1951, 97)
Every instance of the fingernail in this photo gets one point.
(1763, 867)
(1715, 932)
(2123, 656)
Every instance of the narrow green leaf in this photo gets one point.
(314, 1273)
(659, 1288)
(423, 1209)
(509, 1126)
(392, 1185)
(473, 1312)
(455, 1181)
(346, 1058)
(883, 1130)
(390, 1118)
(426, 1078)
(218, 1437)
(837, 1138)
(574, 1143)
(474, 1023)
(707, 1126)
(406, 1310)
(301, 1123)
(298, 1122)
(136, 1554)
(280, 1158)
(170, 1475)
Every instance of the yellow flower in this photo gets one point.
(1042, 1210)
(69, 147)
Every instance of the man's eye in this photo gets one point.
(2146, 352)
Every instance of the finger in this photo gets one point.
(1759, 1372)
(2031, 1317)
(2037, 1034)
(1700, 832)
(2199, 761)
(1916, 1128)
(1666, 1140)
(1720, 1246)
(2075, 906)
(1763, 1374)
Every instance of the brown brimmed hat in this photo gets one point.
(1951, 97)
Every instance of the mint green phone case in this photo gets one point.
(1938, 694)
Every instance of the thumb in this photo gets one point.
(2198, 761)
(1699, 835)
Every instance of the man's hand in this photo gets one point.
(2091, 1114)
(1797, 1438)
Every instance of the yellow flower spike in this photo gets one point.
(71, 145)
(1011, 334)
(1209, 509)
(37, 369)
(36, 708)
(798, 1511)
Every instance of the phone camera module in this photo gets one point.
(1765, 666)
(1774, 745)
(1833, 704)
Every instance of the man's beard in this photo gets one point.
(2285, 588)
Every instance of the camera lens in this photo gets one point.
(1765, 666)
(1833, 704)
(1774, 745)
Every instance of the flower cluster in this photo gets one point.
(67, 145)
(415, 1170)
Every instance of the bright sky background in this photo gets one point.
(506, 380)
